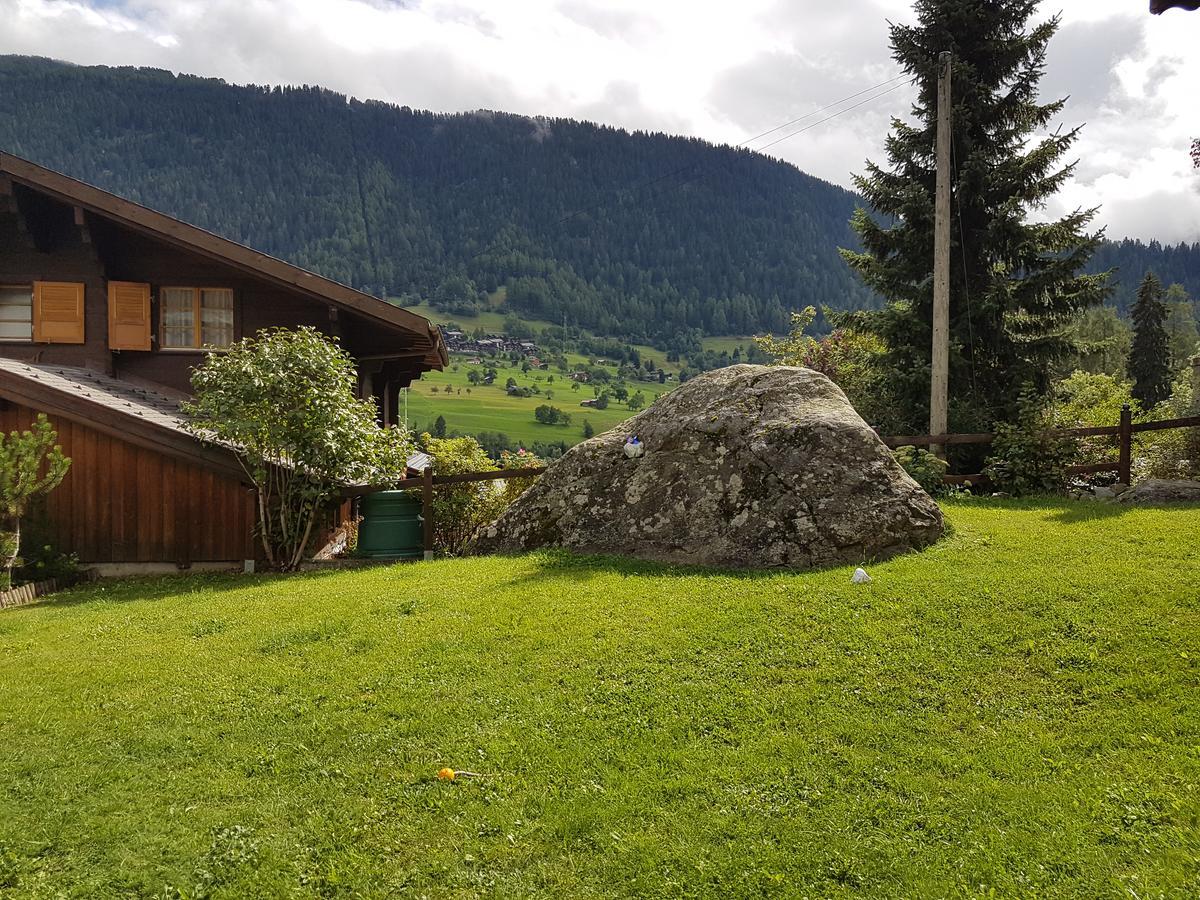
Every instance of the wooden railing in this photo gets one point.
(1123, 432)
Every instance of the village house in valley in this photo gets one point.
(105, 307)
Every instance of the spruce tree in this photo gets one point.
(1150, 356)
(1016, 285)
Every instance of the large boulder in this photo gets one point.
(1157, 490)
(746, 467)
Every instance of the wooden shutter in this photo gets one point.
(58, 312)
(128, 315)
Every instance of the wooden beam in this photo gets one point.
(81, 223)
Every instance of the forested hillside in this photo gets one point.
(643, 236)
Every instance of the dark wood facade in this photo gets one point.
(131, 500)
(124, 503)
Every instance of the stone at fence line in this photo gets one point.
(1158, 490)
(743, 467)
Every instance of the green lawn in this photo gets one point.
(1010, 713)
(489, 408)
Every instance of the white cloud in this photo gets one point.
(712, 69)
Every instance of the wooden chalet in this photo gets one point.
(105, 308)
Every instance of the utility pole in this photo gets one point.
(939, 386)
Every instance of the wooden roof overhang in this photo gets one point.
(55, 392)
(426, 340)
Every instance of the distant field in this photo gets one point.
(729, 343)
(489, 321)
(492, 321)
(489, 408)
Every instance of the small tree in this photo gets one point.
(588, 430)
(439, 427)
(637, 401)
(31, 464)
(1149, 358)
(284, 403)
(1027, 457)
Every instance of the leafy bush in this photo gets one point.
(460, 510)
(42, 562)
(515, 487)
(848, 357)
(1027, 458)
(284, 402)
(1174, 453)
(924, 468)
(31, 465)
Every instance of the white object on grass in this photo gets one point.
(860, 576)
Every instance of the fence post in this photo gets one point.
(1194, 434)
(427, 509)
(1125, 436)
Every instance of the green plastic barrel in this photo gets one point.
(391, 526)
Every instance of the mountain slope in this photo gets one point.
(392, 199)
(644, 236)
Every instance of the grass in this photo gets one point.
(1010, 713)
(489, 408)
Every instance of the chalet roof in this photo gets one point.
(124, 212)
(117, 408)
(121, 409)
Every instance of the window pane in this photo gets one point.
(16, 312)
(216, 317)
(178, 317)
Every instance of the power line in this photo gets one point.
(703, 174)
(903, 78)
(828, 118)
(822, 109)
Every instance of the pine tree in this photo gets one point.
(1150, 357)
(1016, 285)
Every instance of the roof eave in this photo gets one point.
(178, 233)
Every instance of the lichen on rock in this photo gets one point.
(744, 467)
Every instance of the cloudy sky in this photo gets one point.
(719, 70)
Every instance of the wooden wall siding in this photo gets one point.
(123, 503)
(63, 255)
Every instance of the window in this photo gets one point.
(16, 312)
(196, 317)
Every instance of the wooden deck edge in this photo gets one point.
(29, 593)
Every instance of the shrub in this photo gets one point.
(459, 510)
(284, 402)
(1027, 458)
(923, 467)
(1174, 453)
(515, 487)
(31, 465)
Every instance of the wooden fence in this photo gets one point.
(1123, 432)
